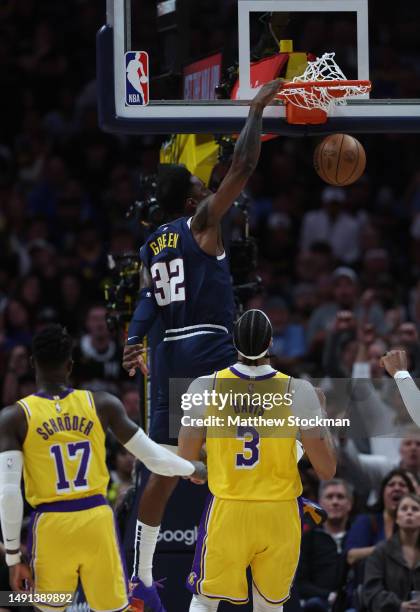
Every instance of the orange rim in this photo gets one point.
(321, 84)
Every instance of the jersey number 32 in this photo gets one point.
(168, 281)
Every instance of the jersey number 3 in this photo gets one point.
(251, 450)
(168, 281)
(75, 450)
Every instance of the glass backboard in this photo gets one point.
(193, 46)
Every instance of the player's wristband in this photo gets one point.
(402, 374)
(13, 558)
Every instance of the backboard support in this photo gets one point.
(225, 116)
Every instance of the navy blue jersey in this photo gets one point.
(190, 286)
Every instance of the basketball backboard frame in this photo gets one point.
(245, 7)
(226, 116)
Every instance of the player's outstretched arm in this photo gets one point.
(245, 158)
(395, 363)
(12, 434)
(156, 458)
(317, 441)
(143, 318)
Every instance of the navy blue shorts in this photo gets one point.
(187, 358)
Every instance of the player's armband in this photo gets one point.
(143, 318)
(156, 458)
(11, 501)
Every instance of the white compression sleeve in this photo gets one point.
(11, 501)
(410, 394)
(156, 458)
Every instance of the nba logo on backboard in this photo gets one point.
(136, 78)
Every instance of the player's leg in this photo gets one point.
(260, 605)
(187, 358)
(203, 604)
(54, 572)
(102, 572)
(222, 554)
(155, 496)
(278, 535)
(152, 506)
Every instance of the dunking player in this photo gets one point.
(57, 437)
(186, 278)
(252, 518)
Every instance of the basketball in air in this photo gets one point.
(340, 159)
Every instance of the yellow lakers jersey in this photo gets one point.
(64, 448)
(251, 448)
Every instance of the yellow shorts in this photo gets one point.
(235, 535)
(66, 546)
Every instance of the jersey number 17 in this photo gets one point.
(74, 451)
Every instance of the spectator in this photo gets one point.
(332, 225)
(345, 297)
(392, 571)
(304, 302)
(340, 346)
(369, 529)
(16, 369)
(71, 302)
(16, 325)
(365, 471)
(288, 338)
(45, 265)
(131, 400)
(30, 294)
(121, 476)
(97, 357)
(322, 562)
(91, 256)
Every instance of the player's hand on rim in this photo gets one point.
(20, 577)
(133, 359)
(267, 93)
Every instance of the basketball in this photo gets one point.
(339, 159)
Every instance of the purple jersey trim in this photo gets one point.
(272, 601)
(195, 575)
(61, 395)
(73, 505)
(122, 556)
(300, 507)
(246, 377)
(32, 542)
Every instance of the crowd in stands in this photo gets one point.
(341, 285)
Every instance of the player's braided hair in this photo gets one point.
(52, 346)
(252, 334)
(173, 187)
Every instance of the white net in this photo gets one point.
(324, 68)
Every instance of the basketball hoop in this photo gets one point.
(310, 97)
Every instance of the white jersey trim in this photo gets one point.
(188, 327)
(197, 333)
(219, 257)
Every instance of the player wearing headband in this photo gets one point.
(252, 517)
